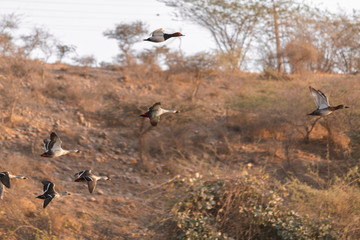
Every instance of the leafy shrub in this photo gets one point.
(245, 208)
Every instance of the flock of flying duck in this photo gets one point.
(53, 149)
(53, 145)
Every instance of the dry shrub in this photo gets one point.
(114, 115)
(63, 91)
(270, 74)
(73, 92)
(301, 55)
(254, 127)
(338, 200)
(22, 224)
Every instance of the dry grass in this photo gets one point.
(236, 124)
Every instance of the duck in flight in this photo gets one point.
(322, 103)
(53, 147)
(159, 36)
(5, 178)
(155, 112)
(49, 192)
(90, 178)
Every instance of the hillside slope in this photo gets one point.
(230, 125)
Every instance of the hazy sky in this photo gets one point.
(82, 22)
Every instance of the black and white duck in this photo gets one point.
(49, 192)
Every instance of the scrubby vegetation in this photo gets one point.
(243, 208)
(241, 160)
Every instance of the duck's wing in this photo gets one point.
(79, 174)
(47, 200)
(82, 174)
(46, 144)
(155, 107)
(320, 98)
(158, 32)
(48, 187)
(55, 142)
(154, 120)
(91, 185)
(324, 98)
(1, 191)
(5, 179)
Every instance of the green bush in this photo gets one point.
(245, 208)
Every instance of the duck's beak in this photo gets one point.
(346, 107)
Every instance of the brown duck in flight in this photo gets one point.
(154, 113)
(322, 103)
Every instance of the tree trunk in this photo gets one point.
(277, 36)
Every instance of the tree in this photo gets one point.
(301, 55)
(86, 61)
(63, 50)
(232, 24)
(197, 67)
(283, 22)
(38, 39)
(8, 23)
(127, 35)
(339, 42)
(277, 37)
(152, 57)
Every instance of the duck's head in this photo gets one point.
(341, 106)
(177, 34)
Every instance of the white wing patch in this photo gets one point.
(46, 144)
(1, 191)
